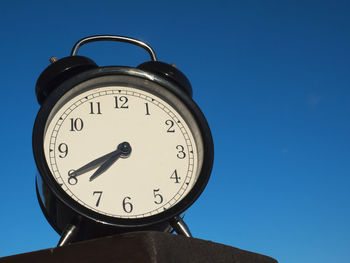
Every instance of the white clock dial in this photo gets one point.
(165, 150)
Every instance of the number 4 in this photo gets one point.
(175, 177)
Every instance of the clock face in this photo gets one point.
(158, 166)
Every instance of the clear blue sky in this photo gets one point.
(273, 79)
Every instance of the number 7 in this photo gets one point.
(99, 197)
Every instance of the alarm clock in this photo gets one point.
(118, 148)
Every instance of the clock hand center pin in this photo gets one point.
(125, 149)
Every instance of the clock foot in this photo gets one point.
(67, 235)
(180, 226)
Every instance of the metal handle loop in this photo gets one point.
(129, 40)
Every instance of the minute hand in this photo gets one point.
(93, 164)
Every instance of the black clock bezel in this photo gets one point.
(80, 210)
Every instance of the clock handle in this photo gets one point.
(67, 235)
(129, 40)
(180, 227)
(167, 71)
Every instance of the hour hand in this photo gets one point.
(123, 151)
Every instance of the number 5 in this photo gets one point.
(156, 196)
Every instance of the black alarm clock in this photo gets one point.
(118, 148)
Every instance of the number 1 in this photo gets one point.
(147, 109)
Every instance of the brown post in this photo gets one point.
(141, 247)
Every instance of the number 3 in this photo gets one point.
(181, 154)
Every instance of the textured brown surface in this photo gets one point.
(141, 247)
